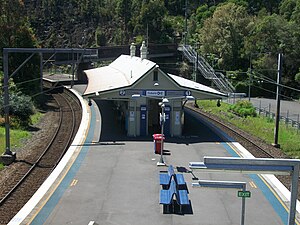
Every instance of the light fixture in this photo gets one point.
(156, 84)
(165, 100)
(135, 96)
(190, 98)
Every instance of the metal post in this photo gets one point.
(197, 58)
(294, 195)
(135, 118)
(161, 160)
(225, 184)
(250, 79)
(258, 166)
(259, 107)
(298, 126)
(41, 71)
(185, 28)
(243, 207)
(277, 115)
(73, 70)
(6, 103)
(287, 118)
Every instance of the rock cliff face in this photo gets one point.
(67, 24)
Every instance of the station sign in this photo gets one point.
(155, 93)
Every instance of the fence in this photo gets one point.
(268, 110)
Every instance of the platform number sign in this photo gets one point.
(244, 194)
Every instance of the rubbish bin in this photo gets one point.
(157, 139)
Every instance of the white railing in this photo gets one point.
(207, 71)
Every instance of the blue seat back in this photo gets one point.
(171, 171)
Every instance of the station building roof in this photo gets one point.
(126, 71)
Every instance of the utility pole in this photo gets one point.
(278, 92)
(6, 103)
(250, 79)
(185, 26)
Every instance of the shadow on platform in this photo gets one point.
(175, 209)
(112, 132)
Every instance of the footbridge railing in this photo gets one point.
(206, 70)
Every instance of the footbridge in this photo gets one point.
(217, 78)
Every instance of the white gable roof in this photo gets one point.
(122, 72)
(126, 70)
(185, 83)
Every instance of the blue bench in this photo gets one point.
(182, 198)
(167, 196)
(165, 178)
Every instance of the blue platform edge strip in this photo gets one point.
(43, 215)
(277, 206)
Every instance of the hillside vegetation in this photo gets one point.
(235, 36)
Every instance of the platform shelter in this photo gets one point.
(137, 86)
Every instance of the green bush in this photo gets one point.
(243, 108)
(20, 110)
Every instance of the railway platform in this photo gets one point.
(110, 178)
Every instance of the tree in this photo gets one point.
(297, 77)
(272, 34)
(16, 32)
(152, 15)
(287, 8)
(223, 35)
(175, 7)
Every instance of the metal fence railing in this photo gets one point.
(206, 70)
(288, 117)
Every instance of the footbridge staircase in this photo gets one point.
(218, 79)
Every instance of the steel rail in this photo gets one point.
(36, 164)
(225, 126)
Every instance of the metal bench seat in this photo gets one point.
(165, 178)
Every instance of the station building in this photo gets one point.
(138, 87)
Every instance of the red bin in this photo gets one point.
(157, 139)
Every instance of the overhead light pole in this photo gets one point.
(278, 92)
(185, 26)
(6, 103)
(250, 79)
(162, 123)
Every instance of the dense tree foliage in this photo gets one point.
(240, 34)
(232, 34)
(16, 32)
(223, 35)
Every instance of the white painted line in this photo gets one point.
(277, 186)
(75, 146)
(91, 223)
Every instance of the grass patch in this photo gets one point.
(17, 136)
(36, 117)
(259, 126)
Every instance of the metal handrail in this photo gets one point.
(207, 71)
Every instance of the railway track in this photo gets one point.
(255, 146)
(31, 171)
(36, 169)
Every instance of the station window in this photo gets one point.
(155, 75)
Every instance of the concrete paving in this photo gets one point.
(115, 181)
